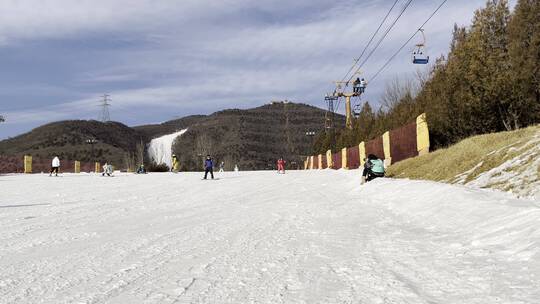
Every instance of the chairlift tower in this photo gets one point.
(341, 86)
(104, 104)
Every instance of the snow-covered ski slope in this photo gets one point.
(262, 237)
(160, 148)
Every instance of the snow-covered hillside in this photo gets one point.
(160, 149)
(260, 237)
(518, 174)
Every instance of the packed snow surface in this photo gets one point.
(160, 148)
(261, 237)
(519, 174)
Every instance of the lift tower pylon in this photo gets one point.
(340, 87)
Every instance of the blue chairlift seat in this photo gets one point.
(419, 57)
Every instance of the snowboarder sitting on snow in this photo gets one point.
(281, 165)
(55, 166)
(141, 169)
(208, 167)
(175, 164)
(373, 168)
(107, 169)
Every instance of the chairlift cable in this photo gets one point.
(409, 40)
(383, 37)
(370, 41)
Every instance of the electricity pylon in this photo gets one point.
(104, 104)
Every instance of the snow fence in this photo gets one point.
(28, 164)
(393, 146)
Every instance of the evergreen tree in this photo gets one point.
(487, 74)
(524, 50)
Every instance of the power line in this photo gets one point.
(407, 42)
(370, 41)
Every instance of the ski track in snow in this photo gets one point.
(160, 149)
(260, 237)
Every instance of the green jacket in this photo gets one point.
(377, 166)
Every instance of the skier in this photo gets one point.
(373, 168)
(107, 169)
(281, 165)
(141, 169)
(175, 164)
(208, 167)
(55, 166)
(222, 167)
(363, 85)
(356, 85)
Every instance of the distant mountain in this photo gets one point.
(169, 127)
(252, 138)
(68, 139)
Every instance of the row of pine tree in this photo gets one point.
(489, 82)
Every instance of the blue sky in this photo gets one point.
(164, 59)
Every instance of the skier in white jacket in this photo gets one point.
(107, 169)
(55, 166)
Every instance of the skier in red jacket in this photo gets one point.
(281, 165)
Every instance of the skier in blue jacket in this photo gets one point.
(373, 168)
(208, 167)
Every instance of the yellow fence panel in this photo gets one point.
(27, 164)
(422, 135)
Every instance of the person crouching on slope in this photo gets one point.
(208, 167)
(281, 165)
(373, 168)
(55, 166)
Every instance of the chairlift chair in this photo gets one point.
(419, 55)
(357, 110)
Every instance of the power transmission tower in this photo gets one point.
(104, 104)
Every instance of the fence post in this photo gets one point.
(27, 164)
(362, 152)
(422, 134)
(329, 160)
(386, 148)
(305, 164)
(320, 162)
(77, 168)
(311, 163)
(97, 167)
(344, 158)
